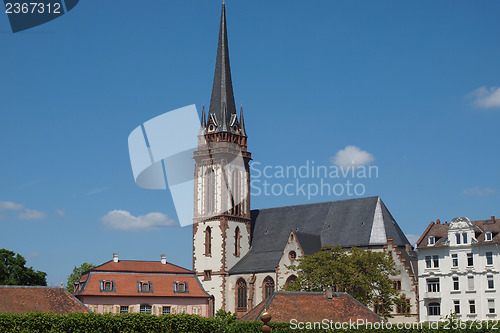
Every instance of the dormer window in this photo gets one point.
(145, 286)
(432, 240)
(488, 236)
(181, 287)
(107, 285)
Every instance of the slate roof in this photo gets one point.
(222, 104)
(440, 232)
(312, 307)
(25, 299)
(347, 223)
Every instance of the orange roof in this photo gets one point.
(311, 306)
(139, 266)
(125, 284)
(24, 299)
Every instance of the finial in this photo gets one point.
(223, 2)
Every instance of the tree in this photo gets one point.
(362, 274)
(76, 275)
(14, 272)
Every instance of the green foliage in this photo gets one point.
(14, 272)
(184, 323)
(76, 275)
(362, 274)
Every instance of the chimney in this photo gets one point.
(438, 221)
(115, 257)
(163, 259)
(329, 293)
(493, 220)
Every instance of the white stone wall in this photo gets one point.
(231, 259)
(283, 271)
(203, 262)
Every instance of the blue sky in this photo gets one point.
(413, 87)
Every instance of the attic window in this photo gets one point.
(292, 255)
(181, 287)
(145, 286)
(107, 285)
(488, 237)
(432, 240)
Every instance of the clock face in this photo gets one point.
(211, 128)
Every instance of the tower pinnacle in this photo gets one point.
(222, 105)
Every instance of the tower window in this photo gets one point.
(237, 245)
(241, 295)
(292, 255)
(208, 241)
(207, 275)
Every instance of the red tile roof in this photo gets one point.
(139, 266)
(440, 232)
(313, 307)
(125, 284)
(24, 299)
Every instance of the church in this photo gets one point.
(241, 255)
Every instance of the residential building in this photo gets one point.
(154, 287)
(458, 270)
(26, 299)
(241, 255)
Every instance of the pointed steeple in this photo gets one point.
(242, 123)
(222, 104)
(203, 122)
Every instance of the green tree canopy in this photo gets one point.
(76, 275)
(14, 272)
(362, 274)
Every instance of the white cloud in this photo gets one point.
(9, 205)
(123, 220)
(486, 97)
(352, 156)
(61, 212)
(30, 214)
(478, 191)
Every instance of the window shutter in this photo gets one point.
(117, 309)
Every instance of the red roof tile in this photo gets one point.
(440, 232)
(24, 299)
(313, 307)
(138, 266)
(125, 284)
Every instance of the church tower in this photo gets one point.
(221, 220)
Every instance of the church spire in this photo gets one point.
(222, 105)
(242, 123)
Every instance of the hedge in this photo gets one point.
(137, 322)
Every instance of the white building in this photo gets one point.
(458, 270)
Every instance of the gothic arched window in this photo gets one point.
(208, 241)
(235, 197)
(291, 279)
(237, 236)
(210, 191)
(268, 287)
(241, 295)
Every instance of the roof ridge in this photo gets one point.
(319, 203)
